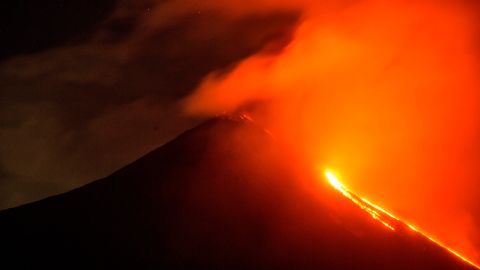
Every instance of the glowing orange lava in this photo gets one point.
(379, 214)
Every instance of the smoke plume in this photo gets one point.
(386, 93)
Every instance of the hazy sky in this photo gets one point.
(86, 88)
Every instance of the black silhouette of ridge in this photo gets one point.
(224, 195)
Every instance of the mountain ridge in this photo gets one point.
(222, 195)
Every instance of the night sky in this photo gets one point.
(86, 88)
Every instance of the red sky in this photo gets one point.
(387, 94)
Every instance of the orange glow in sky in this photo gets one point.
(387, 92)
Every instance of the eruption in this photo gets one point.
(375, 211)
(385, 91)
(382, 215)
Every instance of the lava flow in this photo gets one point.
(382, 215)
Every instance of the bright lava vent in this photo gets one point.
(387, 219)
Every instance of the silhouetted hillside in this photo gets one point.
(223, 195)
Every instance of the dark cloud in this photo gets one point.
(102, 92)
(30, 26)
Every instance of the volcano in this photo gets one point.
(224, 195)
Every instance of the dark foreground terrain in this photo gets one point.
(223, 195)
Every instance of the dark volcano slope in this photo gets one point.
(221, 196)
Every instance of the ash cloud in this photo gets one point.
(387, 93)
